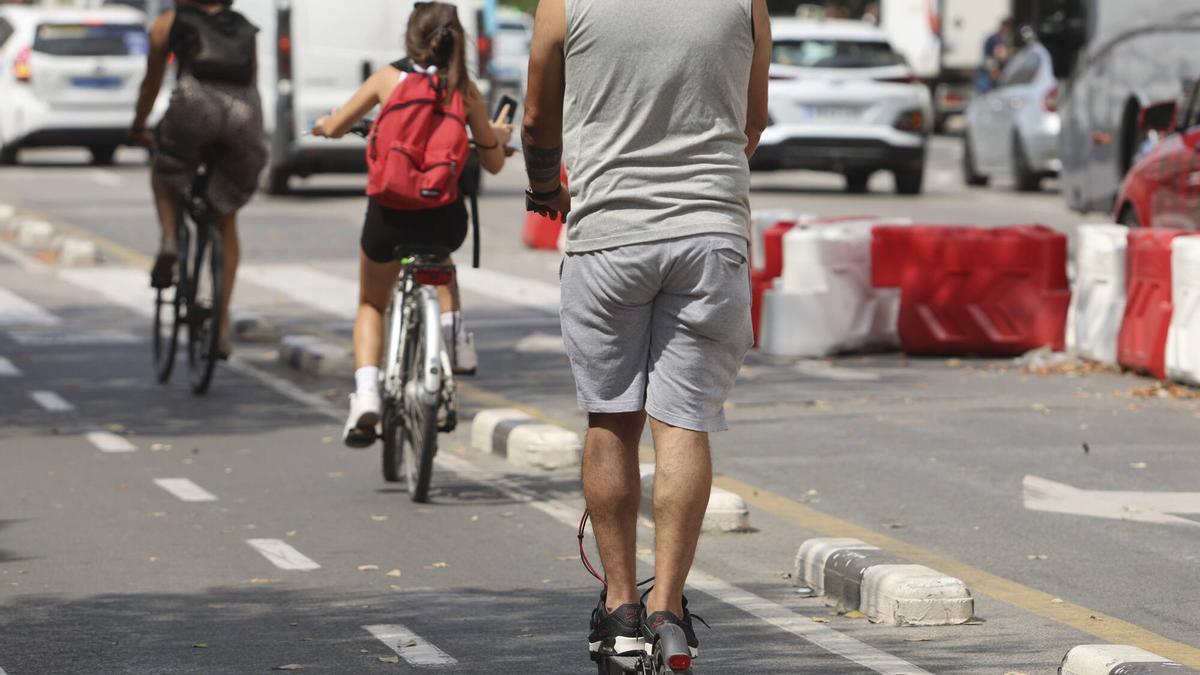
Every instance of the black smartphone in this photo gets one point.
(506, 100)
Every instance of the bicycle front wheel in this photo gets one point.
(420, 428)
(205, 309)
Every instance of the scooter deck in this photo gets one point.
(620, 665)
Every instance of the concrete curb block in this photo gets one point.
(252, 327)
(7, 213)
(76, 252)
(524, 441)
(315, 356)
(31, 232)
(726, 511)
(1117, 660)
(854, 575)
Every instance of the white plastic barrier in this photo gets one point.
(760, 222)
(824, 303)
(1183, 339)
(1098, 302)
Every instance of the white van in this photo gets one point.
(312, 56)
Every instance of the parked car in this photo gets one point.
(510, 61)
(843, 101)
(1013, 129)
(1163, 187)
(69, 78)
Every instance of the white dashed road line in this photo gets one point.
(51, 401)
(7, 369)
(185, 489)
(108, 442)
(413, 648)
(17, 311)
(106, 178)
(282, 555)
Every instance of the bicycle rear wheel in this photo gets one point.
(393, 441)
(205, 309)
(420, 424)
(169, 306)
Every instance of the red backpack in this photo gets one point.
(419, 146)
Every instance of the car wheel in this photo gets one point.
(8, 155)
(857, 181)
(1129, 218)
(1024, 176)
(277, 182)
(102, 155)
(908, 181)
(970, 175)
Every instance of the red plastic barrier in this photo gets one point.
(762, 279)
(1142, 343)
(542, 232)
(971, 290)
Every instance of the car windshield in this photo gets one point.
(60, 39)
(818, 53)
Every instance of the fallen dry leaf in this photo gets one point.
(1037, 556)
(327, 440)
(200, 645)
(820, 619)
(855, 614)
(1137, 465)
(394, 573)
(289, 666)
(917, 638)
(368, 568)
(389, 659)
(439, 565)
(566, 557)
(379, 519)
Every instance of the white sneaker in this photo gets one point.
(365, 409)
(466, 360)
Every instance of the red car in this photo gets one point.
(1163, 187)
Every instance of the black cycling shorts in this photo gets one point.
(385, 229)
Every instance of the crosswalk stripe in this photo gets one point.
(282, 555)
(51, 401)
(17, 311)
(185, 489)
(411, 647)
(109, 442)
(7, 369)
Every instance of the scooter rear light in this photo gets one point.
(434, 276)
(679, 662)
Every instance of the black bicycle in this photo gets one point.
(195, 301)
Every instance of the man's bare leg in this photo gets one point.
(682, 483)
(612, 488)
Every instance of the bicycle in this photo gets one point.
(196, 299)
(417, 378)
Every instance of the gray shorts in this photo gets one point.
(662, 327)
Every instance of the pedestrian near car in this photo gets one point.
(995, 55)
(659, 107)
(436, 43)
(215, 116)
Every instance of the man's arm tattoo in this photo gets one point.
(542, 164)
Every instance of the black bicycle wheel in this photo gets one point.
(205, 307)
(169, 311)
(420, 423)
(393, 441)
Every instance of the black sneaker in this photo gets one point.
(652, 622)
(615, 634)
(163, 274)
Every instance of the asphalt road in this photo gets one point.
(282, 548)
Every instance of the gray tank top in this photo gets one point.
(655, 119)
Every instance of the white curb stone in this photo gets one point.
(76, 252)
(1117, 660)
(485, 424)
(914, 595)
(809, 569)
(315, 357)
(726, 512)
(252, 327)
(33, 233)
(543, 446)
(7, 213)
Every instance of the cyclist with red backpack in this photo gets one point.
(416, 154)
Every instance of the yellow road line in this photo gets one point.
(1107, 628)
(1097, 624)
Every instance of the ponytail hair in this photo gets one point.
(436, 37)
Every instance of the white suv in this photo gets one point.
(69, 78)
(842, 100)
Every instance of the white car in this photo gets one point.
(69, 78)
(842, 100)
(510, 60)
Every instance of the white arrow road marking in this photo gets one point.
(51, 401)
(1143, 507)
(17, 311)
(107, 442)
(185, 489)
(411, 647)
(282, 555)
(7, 369)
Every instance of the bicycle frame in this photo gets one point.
(411, 297)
